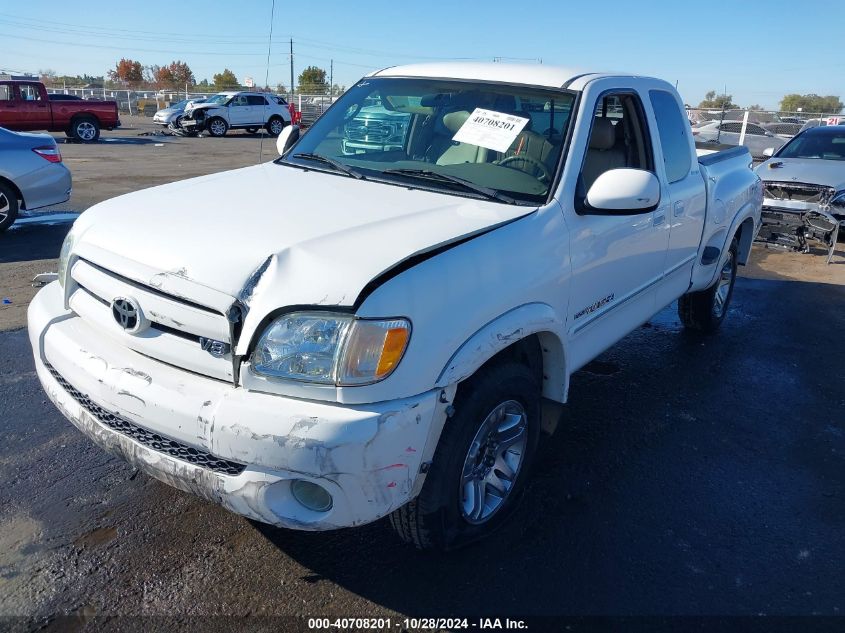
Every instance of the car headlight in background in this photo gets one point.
(64, 257)
(838, 201)
(330, 348)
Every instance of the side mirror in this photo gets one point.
(287, 138)
(769, 152)
(624, 190)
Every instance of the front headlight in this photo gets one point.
(838, 200)
(330, 348)
(64, 257)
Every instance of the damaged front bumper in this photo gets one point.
(793, 227)
(238, 448)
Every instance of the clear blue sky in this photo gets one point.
(759, 50)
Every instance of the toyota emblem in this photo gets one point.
(127, 314)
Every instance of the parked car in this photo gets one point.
(171, 113)
(784, 130)
(295, 115)
(379, 334)
(249, 111)
(25, 105)
(804, 190)
(375, 129)
(756, 139)
(32, 174)
(817, 122)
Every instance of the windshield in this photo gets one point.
(218, 99)
(180, 105)
(825, 144)
(463, 138)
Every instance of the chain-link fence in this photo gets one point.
(759, 130)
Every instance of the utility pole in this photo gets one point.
(291, 67)
(331, 78)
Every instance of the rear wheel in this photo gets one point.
(705, 310)
(217, 126)
(275, 126)
(8, 206)
(85, 129)
(481, 463)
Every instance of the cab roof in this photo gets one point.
(528, 74)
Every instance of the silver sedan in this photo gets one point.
(32, 174)
(757, 139)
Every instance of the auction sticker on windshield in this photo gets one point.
(490, 129)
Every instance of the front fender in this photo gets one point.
(505, 330)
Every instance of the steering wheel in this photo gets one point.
(545, 176)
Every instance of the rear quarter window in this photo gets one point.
(672, 127)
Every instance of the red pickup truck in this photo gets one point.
(24, 106)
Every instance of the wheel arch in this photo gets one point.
(745, 238)
(16, 189)
(530, 333)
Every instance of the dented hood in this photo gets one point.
(314, 238)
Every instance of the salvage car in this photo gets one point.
(26, 106)
(32, 174)
(804, 191)
(237, 110)
(392, 333)
(756, 139)
(168, 115)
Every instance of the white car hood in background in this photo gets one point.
(813, 171)
(316, 238)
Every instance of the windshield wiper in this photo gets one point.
(428, 174)
(338, 166)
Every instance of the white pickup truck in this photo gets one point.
(327, 339)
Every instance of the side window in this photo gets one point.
(619, 138)
(754, 129)
(5, 92)
(672, 129)
(29, 92)
(731, 127)
(256, 100)
(240, 100)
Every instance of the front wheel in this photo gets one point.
(481, 462)
(705, 310)
(275, 126)
(8, 206)
(217, 127)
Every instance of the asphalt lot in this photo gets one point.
(691, 476)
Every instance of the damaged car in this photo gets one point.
(392, 333)
(804, 191)
(226, 111)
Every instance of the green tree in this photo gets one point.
(712, 101)
(811, 103)
(312, 81)
(127, 71)
(225, 80)
(756, 107)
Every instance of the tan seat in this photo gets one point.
(603, 154)
(452, 152)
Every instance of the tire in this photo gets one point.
(275, 126)
(85, 129)
(9, 206)
(444, 515)
(251, 130)
(704, 311)
(217, 126)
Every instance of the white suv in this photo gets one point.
(244, 110)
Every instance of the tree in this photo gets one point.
(312, 80)
(811, 103)
(181, 73)
(280, 88)
(224, 80)
(756, 108)
(127, 71)
(712, 101)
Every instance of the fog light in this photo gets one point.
(312, 496)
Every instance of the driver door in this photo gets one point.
(240, 112)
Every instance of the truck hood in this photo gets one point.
(813, 171)
(193, 107)
(314, 238)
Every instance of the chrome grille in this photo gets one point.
(155, 441)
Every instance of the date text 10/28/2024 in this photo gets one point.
(411, 624)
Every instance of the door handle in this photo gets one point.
(679, 208)
(659, 217)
